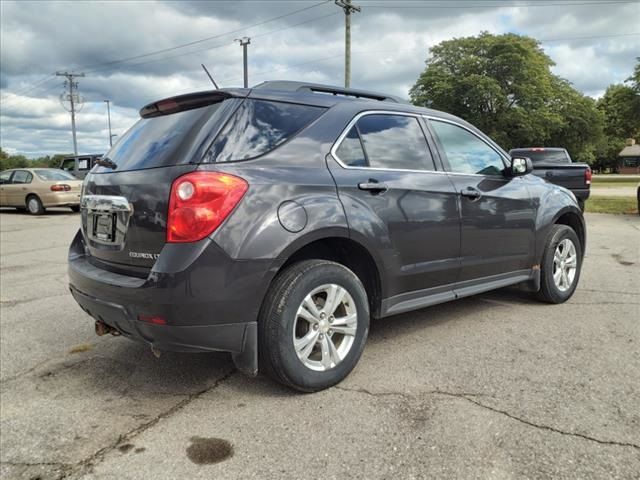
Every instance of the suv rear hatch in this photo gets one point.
(125, 197)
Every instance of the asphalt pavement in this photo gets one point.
(495, 386)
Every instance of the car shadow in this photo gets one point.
(123, 367)
(53, 211)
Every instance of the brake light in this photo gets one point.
(60, 188)
(587, 176)
(537, 149)
(200, 202)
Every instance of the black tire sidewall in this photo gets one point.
(293, 371)
(551, 292)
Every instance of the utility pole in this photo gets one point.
(244, 41)
(109, 120)
(348, 9)
(73, 100)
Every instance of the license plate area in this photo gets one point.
(104, 226)
(105, 220)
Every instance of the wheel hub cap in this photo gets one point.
(565, 265)
(325, 327)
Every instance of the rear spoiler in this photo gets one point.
(181, 103)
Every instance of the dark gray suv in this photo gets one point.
(274, 222)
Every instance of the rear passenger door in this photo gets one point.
(398, 202)
(497, 212)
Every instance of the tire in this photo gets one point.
(34, 205)
(75, 208)
(280, 323)
(552, 290)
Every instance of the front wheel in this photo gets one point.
(313, 325)
(561, 264)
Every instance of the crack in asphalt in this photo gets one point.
(80, 467)
(467, 397)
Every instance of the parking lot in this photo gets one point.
(494, 386)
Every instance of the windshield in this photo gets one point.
(54, 175)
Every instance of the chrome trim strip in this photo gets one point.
(344, 133)
(106, 203)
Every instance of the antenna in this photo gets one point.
(209, 75)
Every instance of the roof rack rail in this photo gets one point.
(292, 86)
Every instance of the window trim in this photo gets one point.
(354, 120)
(443, 153)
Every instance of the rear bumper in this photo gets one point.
(60, 199)
(581, 193)
(205, 300)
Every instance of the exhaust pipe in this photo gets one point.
(103, 329)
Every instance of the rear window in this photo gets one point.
(54, 175)
(543, 156)
(259, 126)
(158, 141)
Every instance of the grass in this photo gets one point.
(614, 184)
(618, 205)
(617, 180)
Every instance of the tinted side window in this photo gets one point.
(394, 141)
(21, 176)
(465, 152)
(350, 150)
(260, 126)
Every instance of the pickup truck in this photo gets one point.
(555, 166)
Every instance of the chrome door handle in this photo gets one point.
(373, 186)
(471, 193)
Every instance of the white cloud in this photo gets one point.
(389, 48)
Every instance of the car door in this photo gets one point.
(5, 181)
(16, 192)
(496, 211)
(398, 202)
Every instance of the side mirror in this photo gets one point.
(520, 166)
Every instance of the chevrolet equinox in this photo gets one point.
(274, 222)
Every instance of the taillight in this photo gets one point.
(587, 176)
(60, 188)
(200, 202)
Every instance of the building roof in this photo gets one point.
(630, 151)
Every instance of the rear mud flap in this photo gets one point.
(247, 360)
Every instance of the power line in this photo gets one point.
(202, 40)
(503, 5)
(315, 19)
(195, 42)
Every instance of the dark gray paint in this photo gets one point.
(429, 243)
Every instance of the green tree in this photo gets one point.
(504, 85)
(620, 106)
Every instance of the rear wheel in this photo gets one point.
(313, 325)
(561, 264)
(34, 205)
(75, 208)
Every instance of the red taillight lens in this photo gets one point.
(200, 202)
(155, 319)
(587, 176)
(60, 188)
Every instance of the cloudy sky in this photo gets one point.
(133, 52)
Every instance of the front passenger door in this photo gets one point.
(497, 213)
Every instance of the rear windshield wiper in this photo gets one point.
(106, 162)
